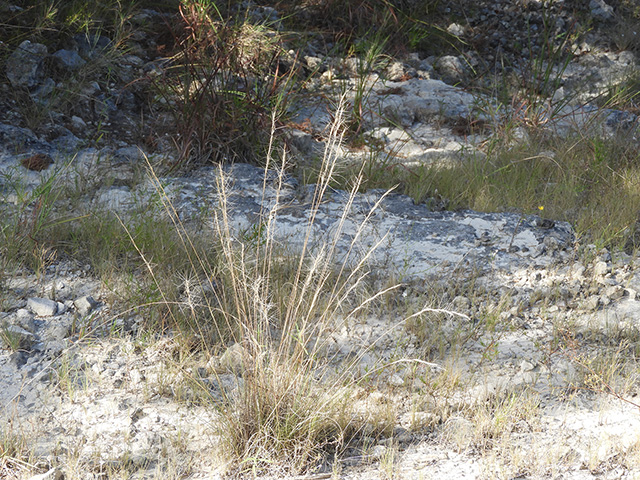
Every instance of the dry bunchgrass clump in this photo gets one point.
(223, 86)
(489, 423)
(293, 408)
(286, 414)
(602, 358)
(14, 455)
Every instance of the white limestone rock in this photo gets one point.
(43, 307)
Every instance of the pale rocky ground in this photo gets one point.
(94, 404)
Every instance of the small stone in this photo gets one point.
(59, 332)
(132, 60)
(396, 380)
(42, 91)
(53, 348)
(461, 303)
(62, 308)
(601, 269)
(24, 65)
(546, 224)
(24, 318)
(601, 10)
(402, 435)
(451, 69)
(313, 63)
(456, 29)
(85, 304)
(551, 243)
(91, 89)
(526, 366)
(69, 59)
(604, 255)
(78, 123)
(614, 292)
(592, 302)
(43, 307)
(395, 72)
(91, 46)
(18, 359)
(135, 376)
(378, 451)
(577, 271)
